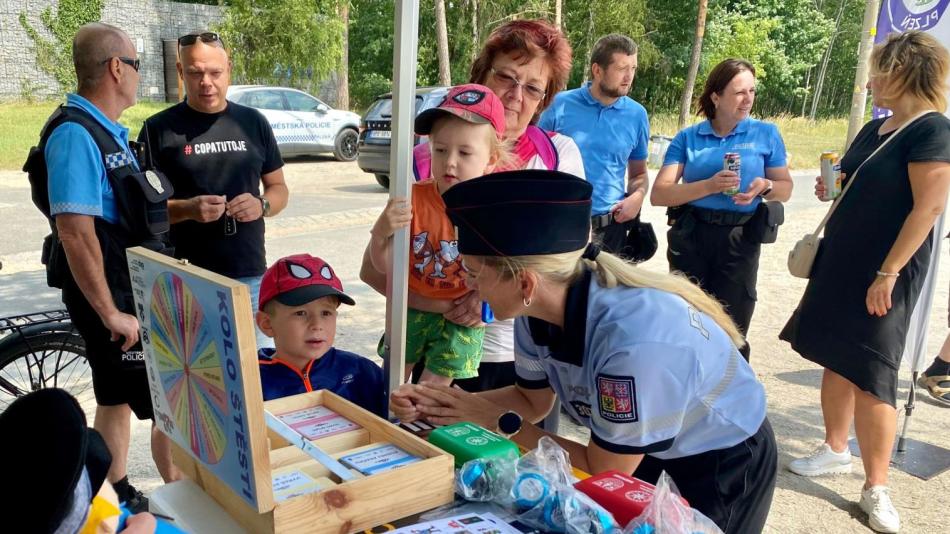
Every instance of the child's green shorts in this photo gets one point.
(449, 349)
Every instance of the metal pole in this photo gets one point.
(400, 182)
(860, 97)
(908, 412)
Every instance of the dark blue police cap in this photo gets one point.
(46, 446)
(520, 213)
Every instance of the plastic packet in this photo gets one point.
(666, 514)
(486, 479)
(544, 496)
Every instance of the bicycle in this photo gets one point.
(43, 350)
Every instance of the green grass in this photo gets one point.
(805, 140)
(20, 126)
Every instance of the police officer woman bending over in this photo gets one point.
(728, 164)
(648, 362)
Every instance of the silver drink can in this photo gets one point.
(732, 162)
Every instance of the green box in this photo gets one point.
(467, 441)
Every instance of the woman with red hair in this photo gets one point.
(525, 63)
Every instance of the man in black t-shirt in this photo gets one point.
(217, 154)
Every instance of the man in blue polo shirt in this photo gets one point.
(93, 229)
(611, 130)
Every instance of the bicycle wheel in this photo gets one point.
(47, 360)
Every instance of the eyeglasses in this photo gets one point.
(204, 37)
(134, 63)
(510, 82)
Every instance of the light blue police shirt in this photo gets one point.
(607, 136)
(701, 152)
(644, 370)
(77, 176)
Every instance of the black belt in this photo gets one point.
(720, 217)
(600, 221)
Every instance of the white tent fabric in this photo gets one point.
(915, 349)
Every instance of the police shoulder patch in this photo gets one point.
(617, 398)
(470, 97)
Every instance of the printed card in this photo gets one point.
(378, 459)
(317, 422)
(481, 523)
(295, 483)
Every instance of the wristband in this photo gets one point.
(884, 274)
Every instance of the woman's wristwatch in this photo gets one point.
(509, 424)
(767, 190)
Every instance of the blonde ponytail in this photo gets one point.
(612, 271)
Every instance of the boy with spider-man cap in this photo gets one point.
(299, 298)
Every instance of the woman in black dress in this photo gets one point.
(854, 315)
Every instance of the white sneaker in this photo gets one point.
(823, 461)
(882, 516)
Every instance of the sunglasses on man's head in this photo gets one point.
(134, 63)
(204, 37)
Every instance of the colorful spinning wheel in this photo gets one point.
(189, 365)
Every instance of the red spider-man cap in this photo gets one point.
(299, 279)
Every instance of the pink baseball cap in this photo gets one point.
(299, 279)
(472, 103)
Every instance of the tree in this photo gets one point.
(55, 57)
(442, 43)
(686, 101)
(822, 72)
(587, 20)
(785, 40)
(343, 91)
(473, 5)
(292, 42)
(664, 55)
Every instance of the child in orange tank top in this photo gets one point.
(465, 136)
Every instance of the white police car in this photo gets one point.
(303, 125)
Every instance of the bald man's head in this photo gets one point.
(93, 44)
(206, 71)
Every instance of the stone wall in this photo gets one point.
(147, 22)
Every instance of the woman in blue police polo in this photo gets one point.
(648, 362)
(716, 236)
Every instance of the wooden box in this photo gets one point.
(200, 350)
(350, 506)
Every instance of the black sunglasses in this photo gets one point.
(134, 63)
(204, 37)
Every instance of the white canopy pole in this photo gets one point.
(400, 183)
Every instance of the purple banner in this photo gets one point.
(903, 15)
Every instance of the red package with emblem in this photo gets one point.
(622, 495)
